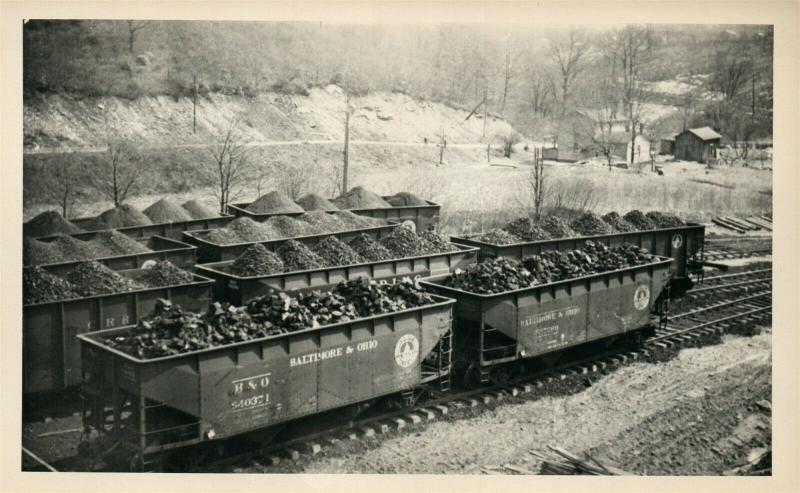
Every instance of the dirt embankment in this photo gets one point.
(60, 122)
(695, 414)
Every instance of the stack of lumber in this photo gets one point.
(744, 224)
(561, 462)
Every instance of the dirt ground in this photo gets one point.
(694, 414)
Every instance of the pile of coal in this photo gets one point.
(639, 220)
(249, 230)
(63, 248)
(92, 279)
(350, 220)
(123, 216)
(257, 261)
(662, 220)
(590, 224)
(39, 286)
(164, 273)
(167, 210)
(527, 229)
(321, 222)
(360, 198)
(439, 243)
(113, 243)
(557, 227)
(617, 222)
(501, 274)
(314, 202)
(48, 223)
(274, 202)
(296, 256)
(222, 236)
(198, 210)
(369, 249)
(403, 242)
(491, 276)
(35, 252)
(168, 330)
(405, 199)
(93, 224)
(289, 227)
(499, 237)
(334, 252)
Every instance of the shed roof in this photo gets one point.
(670, 136)
(705, 133)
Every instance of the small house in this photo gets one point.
(697, 144)
(667, 144)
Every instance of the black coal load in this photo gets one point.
(617, 222)
(39, 286)
(370, 249)
(662, 220)
(557, 227)
(403, 242)
(499, 237)
(314, 202)
(164, 273)
(527, 229)
(48, 223)
(113, 243)
(92, 279)
(491, 276)
(405, 199)
(35, 252)
(334, 252)
(639, 220)
(590, 224)
(297, 256)
(257, 261)
(501, 274)
(439, 243)
(168, 330)
(321, 222)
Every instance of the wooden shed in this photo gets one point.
(667, 144)
(697, 144)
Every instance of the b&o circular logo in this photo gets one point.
(677, 241)
(406, 350)
(641, 298)
(409, 224)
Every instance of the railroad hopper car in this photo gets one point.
(418, 218)
(239, 290)
(170, 402)
(208, 251)
(494, 331)
(177, 252)
(684, 244)
(172, 230)
(51, 356)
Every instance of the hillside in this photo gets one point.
(60, 122)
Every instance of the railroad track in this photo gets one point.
(724, 254)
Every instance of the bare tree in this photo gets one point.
(567, 53)
(125, 170)
(605, 104)
(64, 191)
(509, 71)
(133, 28)
(624, 51)
(537, 182)
(730, 73)
(687, 109)
(230, 158)
(540, 92)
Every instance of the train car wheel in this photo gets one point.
(472, 376)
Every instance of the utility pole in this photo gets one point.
(347, 111)
(485, 109)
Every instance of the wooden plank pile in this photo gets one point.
(561, 462)
(744, 224)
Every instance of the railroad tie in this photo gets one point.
(399, 423)
(487, 399)
(414, 418)
(367, 432)
(442, 409)
(314, 448)
(384, 428)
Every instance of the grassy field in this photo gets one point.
(474, 195)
